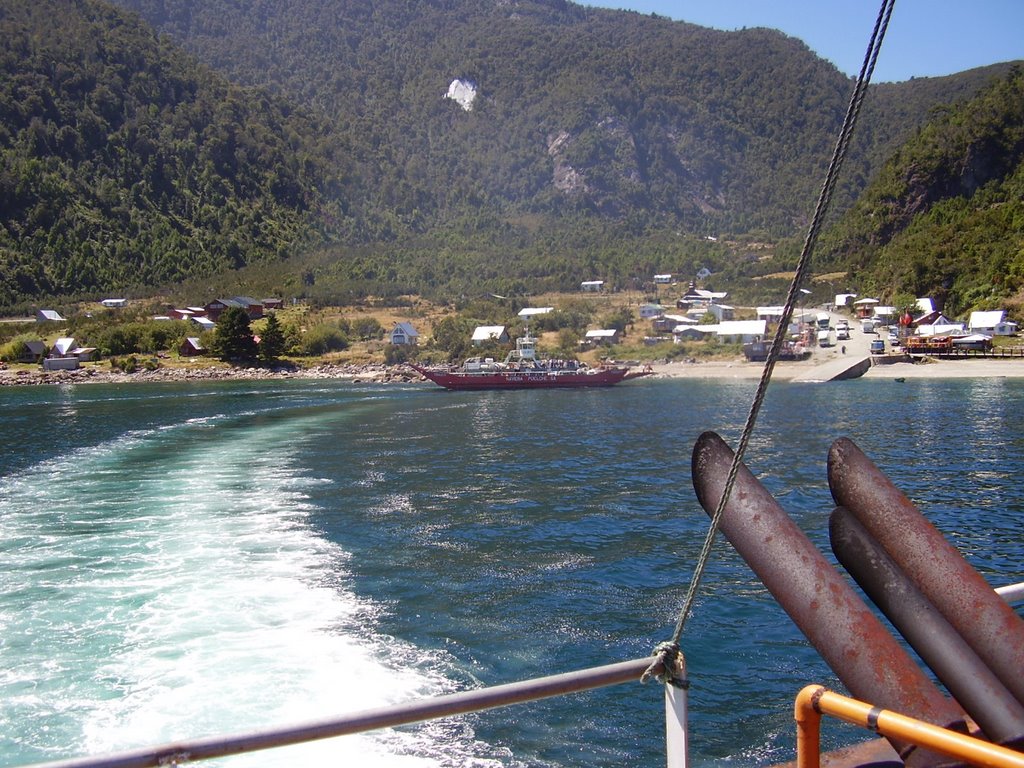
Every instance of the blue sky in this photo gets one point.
(925, 37)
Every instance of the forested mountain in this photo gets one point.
(123, 163)
(577, 109)
(315, 139)
(945, 216)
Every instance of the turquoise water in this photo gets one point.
(195, 559)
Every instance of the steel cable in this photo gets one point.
(824, 199)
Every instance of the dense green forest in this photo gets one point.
(306, 148)
(945, 216)
(579, 110)
(123, 164)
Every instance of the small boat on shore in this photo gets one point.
(523, 369)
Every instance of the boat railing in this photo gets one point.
(1012, 593)
(417, 711)
(814, 701)
(451, 705)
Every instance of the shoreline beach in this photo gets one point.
(928, 368)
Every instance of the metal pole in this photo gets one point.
(865, 656)
(677, 715)
(948, 655)
(1011, 593)
(676, 733)
(935, 566)
(368, 720)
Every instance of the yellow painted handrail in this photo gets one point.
(814, 701)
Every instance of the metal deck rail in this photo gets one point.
(676, 735)
(814, 701)
(412, 712)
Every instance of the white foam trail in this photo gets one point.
(167, 586)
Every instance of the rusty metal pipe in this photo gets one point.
(938, 644)
(920, 550)
(849, 637)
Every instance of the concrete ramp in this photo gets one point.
(837, 370)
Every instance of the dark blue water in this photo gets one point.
(187, 560)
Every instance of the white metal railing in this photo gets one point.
(1012, 593)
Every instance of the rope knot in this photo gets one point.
(668, 666)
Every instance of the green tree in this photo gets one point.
(568, 341)
(367, 328)
(619, 319)
(395, 354)
(232, 338)
(453, 335)
(272, 340)
(292, 338)
(323, 338)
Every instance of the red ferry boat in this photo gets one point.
(522, 369)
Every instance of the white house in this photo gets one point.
(722, 312)
(668, 323)
(48, 315)
(404, 334)
(84, 354)
(844, 299)
(62, 347)
(484, 333)
(681, 319)
(205, 323)
(61, 357)
(114, 303)
(701, 294)
(885, 315)
(602, 336)
(937, 329)
(772, 314)
(993, 323)
(940, 326)
(736, 331)
(663, 279)
(528, 312)
(647, 311)
(865, 307)
(594, 286)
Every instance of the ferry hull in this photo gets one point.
(472, 380)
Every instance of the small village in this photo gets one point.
(698, 315)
